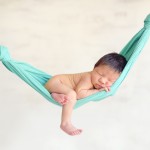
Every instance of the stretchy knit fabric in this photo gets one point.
(37, 78)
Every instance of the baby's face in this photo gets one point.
(103, 76)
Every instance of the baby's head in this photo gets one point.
(107, 70)
(113, 60)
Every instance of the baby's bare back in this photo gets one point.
(72, 80)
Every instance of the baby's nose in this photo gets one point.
(102, 81)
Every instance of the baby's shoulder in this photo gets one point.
(86, 76)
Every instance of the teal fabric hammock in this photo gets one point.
(37, 78)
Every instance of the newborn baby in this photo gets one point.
(66, 89)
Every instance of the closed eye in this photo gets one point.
(102, 75)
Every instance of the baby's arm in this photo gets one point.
(84, 89)
(84, 93)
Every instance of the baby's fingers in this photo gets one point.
(107, 89)
(104, 89)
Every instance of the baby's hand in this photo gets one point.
(107, 89)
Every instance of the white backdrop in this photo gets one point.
(69, 36)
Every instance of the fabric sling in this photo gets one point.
(37, 78)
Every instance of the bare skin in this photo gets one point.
(66, 89)
(62, 99)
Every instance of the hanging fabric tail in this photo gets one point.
(31, 75)
(36, 78)
(133, 48)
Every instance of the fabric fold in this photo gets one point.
(37, 78)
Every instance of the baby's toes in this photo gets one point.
(64, 101)
(76, 132)
(66, 98)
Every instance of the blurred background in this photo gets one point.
(69, 36)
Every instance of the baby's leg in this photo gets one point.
(67, 109)
(58, 90)
(55, 86)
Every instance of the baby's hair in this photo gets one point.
(113, 60)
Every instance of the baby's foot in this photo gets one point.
(70, 129)
(60, 98)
